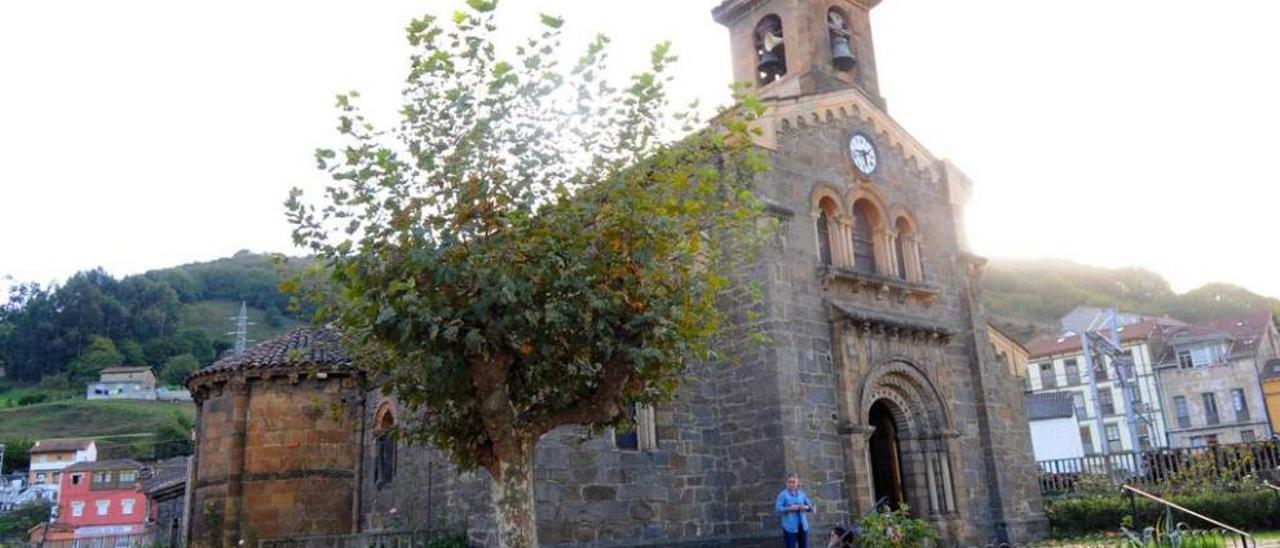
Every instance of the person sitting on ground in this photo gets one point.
(841, 538)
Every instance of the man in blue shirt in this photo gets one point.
(793, 504)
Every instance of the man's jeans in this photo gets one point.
(796, 540)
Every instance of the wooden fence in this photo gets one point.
(1155, 467)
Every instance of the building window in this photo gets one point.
(103, 506)
(1144, 437)
(1073, 372)
(642, 436)
(1135, 394)
(77, 508)
(1107, 399)
(75, 479)
(1184, 359)
(1197, 441)
(1210, 408)
(907, 251)
(101, 477)
(1047, 378)
(40, 477)
(1086, 439)
(864, 248)
(824, 239)
(1240, 406)
(384, 423)
(126, 506)
(1100, 371)
(1184, 415)
(1082, 411)
(126, 476)
(1113, 438)
(1247, 436)
(57, 478)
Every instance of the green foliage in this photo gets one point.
(17, 453)
(457, 541)
(100, 355)
(15, 524)
(149, 318)
(1089, 514)
(894, 529)
(177, 368)
(1027, 297)
(173, 438)
(526, 248)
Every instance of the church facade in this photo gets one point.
(878, 383)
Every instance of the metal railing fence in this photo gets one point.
(1156, 467)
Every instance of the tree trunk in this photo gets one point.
(513, 498)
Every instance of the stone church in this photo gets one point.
(879, 382)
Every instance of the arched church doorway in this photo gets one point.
(886, 456)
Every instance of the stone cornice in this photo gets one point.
(840, 106)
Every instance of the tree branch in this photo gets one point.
(489, 379)
(602, 405)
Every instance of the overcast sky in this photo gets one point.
(145, 134)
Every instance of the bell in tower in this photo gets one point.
(770, 49)
(790, 48)
(841, 52)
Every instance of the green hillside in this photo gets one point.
(123, 428)
(214, 318)
(1025, 298)
(173, 319)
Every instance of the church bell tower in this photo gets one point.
(790, 48)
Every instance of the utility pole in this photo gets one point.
(1109, 348)
(242, 329)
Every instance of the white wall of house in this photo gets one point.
(1064, 380)
(1053, 439)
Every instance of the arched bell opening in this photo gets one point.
(886, 457)
(842, 57)
(771, 50)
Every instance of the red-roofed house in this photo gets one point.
(1211, 378)
(1057, 366)
(50, 456)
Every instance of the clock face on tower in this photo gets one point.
(863, 153)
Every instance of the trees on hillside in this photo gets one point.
(46, 331)
(524, 250)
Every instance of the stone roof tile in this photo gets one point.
(300, 347)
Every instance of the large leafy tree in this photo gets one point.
(526, 249)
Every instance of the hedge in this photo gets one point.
(1089, 514)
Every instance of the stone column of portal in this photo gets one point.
(234, 507)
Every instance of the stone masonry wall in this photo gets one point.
(283, 469)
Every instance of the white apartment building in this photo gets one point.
(1057, 365)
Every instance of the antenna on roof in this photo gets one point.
(242, 329)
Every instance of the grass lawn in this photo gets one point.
(116, 424)
(11, 395)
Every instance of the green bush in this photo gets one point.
(894, 529)
(456, 541)
(1083, 515)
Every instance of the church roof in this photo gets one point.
(300, 347)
